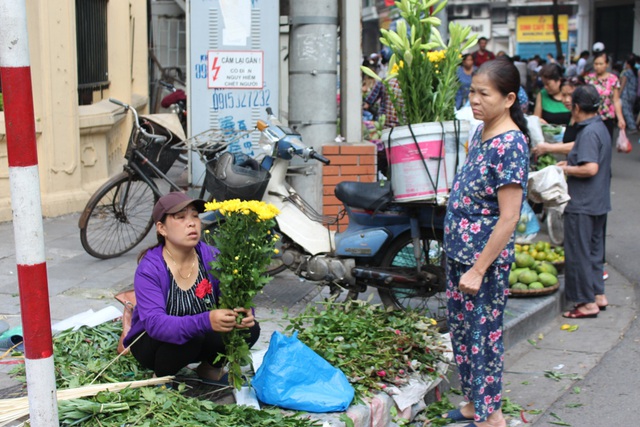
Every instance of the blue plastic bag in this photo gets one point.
(528, 225)
(293, 376)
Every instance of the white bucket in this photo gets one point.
(409, 178)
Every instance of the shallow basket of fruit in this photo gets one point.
(517, 293)
(535, 270)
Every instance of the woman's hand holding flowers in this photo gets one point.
(223, 320)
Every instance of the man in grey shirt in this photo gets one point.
(588, 170)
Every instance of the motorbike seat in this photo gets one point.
(366, 195)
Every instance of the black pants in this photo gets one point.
(167, 359)
(610, 124)
(584, 251)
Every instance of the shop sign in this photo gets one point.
(481, 27)
(539, 28)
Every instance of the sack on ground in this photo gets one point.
(622, 143)
(293, 376)
(528, 225)
(548, 186)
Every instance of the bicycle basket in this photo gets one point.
(161, 155)
(235, 177)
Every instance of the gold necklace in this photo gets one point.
(178, 267)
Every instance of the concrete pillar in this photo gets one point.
(313, 84)
(584, 18)
(350, 80)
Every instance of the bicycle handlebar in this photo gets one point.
(159, 139)
(120, 103)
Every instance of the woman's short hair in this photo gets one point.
(551, 71)
(587, 98)
(574, 81)
(601, 54)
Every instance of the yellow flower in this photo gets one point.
(206, 231)
(433, 322)
(276, 251)
(237, 258)
(396, 67)
(436, 56)
(235, 271)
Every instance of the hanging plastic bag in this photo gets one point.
(548, 186)
(622, 143)
(528, 225)
(293, 376)
(535, 130)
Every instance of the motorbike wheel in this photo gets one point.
(276, 266)
(429, 299)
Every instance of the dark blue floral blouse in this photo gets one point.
(473, 210)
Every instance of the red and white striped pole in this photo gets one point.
(27, 213)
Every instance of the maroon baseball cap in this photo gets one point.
(174, 202)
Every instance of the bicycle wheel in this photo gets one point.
(428, 298)
(555, 226)
(118, 217)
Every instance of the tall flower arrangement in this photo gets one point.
(246, 246)
(423, 64)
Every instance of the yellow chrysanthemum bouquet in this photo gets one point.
(424, 65)
(246, 244)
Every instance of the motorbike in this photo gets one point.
(176, 101)
(393, 247)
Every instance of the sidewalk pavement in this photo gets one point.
(533, 338)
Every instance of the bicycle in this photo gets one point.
(118, 215)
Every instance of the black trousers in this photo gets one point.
(584, 250)
(167, 359)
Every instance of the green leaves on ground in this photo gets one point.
(557, 376)
(370, 345)
(154, 406)
(80, 355)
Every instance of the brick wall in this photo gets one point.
(349, 162)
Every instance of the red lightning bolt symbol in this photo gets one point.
(215, 68)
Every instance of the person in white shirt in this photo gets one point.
(582, 62)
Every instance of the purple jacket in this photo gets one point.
(151, 284)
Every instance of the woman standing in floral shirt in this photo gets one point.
(484, 208)
(608, 86)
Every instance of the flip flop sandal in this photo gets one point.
(14, 342)
(222, 382)
(577, 314)
(455, 415)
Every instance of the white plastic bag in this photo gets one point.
(548, 186)
(622, 142)
(535, 130)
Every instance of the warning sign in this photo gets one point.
(229, 69)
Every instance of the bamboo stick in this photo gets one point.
(13, 409)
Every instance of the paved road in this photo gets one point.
(608, 394)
